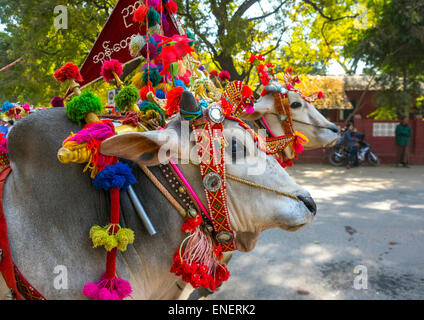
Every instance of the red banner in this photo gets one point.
(115, 38)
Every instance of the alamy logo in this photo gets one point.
(61, 17)
(361, 280)
(60, 282)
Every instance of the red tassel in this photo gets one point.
(173, 100)
(247, 92)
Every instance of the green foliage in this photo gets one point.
(30, 33)
(79, 106)
(126, 97)
(393, 50)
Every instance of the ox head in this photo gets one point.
(306, 119)
(252, 210)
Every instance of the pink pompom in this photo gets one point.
(91, 290)
(224, 75)
(123, 288)
(154, 3)
(110, 66)
(249, 109)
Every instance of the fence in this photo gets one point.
(380, 135)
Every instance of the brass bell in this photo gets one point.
(192, 213)
(181, 190)
(224, 237)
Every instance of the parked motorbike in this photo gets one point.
(339, 156)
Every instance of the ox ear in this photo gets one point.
(144, 148)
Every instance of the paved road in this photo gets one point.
(372, 217)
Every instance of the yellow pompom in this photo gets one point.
(301, 135)
(94, 229)
(110, 243)
(124, 237)
(99, 237)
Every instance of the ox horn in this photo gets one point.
(188, 102)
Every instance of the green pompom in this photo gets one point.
(110, 243)
(79, 106)
(153, 17)
(124, 236)
(126, 97)
(154, 76)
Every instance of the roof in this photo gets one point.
(332, 87)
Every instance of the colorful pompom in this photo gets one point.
(109, 68)
(79, 106)
(173, 100)
(137, 80)
(153, 76)
(126, 97)
(67, 72)
(224, 76)
(140, 14)
(145, 90)
(153, 51)
(57, 102)
(153, 17)
(107, 289)
(136, 44)
(114, 176)
(172, 6)
(6, 106)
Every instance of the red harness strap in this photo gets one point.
(11, 274)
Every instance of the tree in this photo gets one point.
(30, 33)
(229, 31)
(393, 50)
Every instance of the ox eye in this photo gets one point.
(295, 105)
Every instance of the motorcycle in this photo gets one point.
(339, 155)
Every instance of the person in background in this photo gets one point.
(10, 124)
(402, 136)
(3, 127)
(350, 140)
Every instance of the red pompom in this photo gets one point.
(145, 90)
(110, 66)
(172, 6)
(140, 14)
(320, 94)
(264, 93)
(57, 102)
(213, 74)
(247, 92)
(224, 75)
(173, 100)
(67, 72)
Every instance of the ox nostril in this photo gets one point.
(334, 128)
(309, 203)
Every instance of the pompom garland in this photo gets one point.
(153, 17)
(110, 67)
(67, 72)
(79, 106)
(153, 76)
(114, 176)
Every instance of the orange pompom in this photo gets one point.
(140, 14)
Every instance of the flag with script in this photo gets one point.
(115, 38)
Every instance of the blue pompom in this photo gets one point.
(118, 176)
(6, 106)
(180, 83)
(160, 94)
